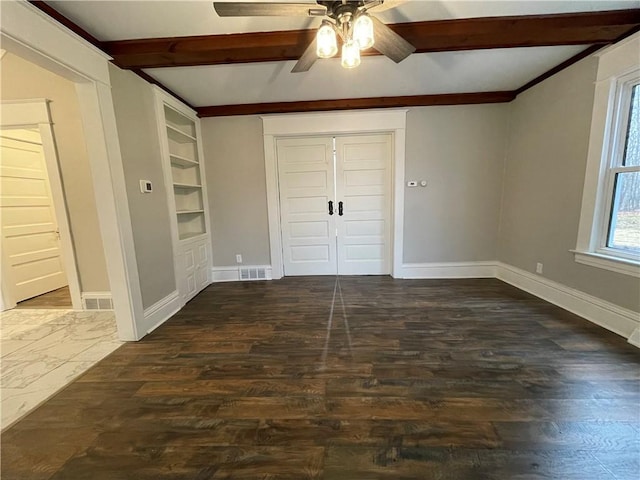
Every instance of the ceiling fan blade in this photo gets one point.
(389, 43)
(383, 5)
(259, 9)
(307, 59)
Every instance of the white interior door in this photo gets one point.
(352, 172)
(363, 185)
(30, 237)
(306, 181)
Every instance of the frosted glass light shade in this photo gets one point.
(326, 43)
(363, 32)
(350, 54)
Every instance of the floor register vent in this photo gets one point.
(253, 273)
(97, 302)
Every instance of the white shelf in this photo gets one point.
(179, 136)
(190, 235)
(188, 212)
(182, 161)
(186, 185)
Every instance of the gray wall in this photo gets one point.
(133, 101)
(21, 79)
(460, 151)
(546, 162)
(236, 183)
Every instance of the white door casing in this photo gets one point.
(306, 181)
(388, 121)
(30, 235)
(33, 35)
(363, 164)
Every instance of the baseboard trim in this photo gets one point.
(449, 270)
(161, 311)
(232, 274)
(619, 320)
(96, 301)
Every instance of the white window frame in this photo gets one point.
(618, 72)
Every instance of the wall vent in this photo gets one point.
(97, 301)
(253, 273)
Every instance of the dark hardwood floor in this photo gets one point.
(446, 379)
(60, 298)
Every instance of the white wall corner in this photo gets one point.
(161, 311)
(232, 274)
(484, 269)
(619, 320)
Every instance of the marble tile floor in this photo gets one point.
(43, 350)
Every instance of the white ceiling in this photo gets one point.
(427, 73)
(420, 74)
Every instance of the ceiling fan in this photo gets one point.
(348, 19)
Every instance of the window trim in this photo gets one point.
(618, 71)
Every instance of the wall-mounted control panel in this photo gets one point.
(146, 186)
(415, 183)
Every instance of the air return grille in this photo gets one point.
(253, 273)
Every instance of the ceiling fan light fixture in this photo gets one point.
(327, 43)
(363, 32)
(350, 54)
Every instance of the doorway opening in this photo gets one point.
(373, 123)
(38, 260)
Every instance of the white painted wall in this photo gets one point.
(133, 101)
(459, 150)
(234, 161)
(547, 155)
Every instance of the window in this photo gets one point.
(609, 232)
(621, 225)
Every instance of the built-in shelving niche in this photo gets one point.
(185, 173)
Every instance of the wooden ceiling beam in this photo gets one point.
(584, 28)
(357, 103)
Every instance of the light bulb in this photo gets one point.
(363, 32)
(326, 43)
(350, 55)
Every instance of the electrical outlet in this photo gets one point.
(238, 258)
(539, 268)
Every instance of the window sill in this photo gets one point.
(615, 264)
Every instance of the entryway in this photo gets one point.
(335, 204)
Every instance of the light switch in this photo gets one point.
(412, 183)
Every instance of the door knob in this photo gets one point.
(330, 207)
(340, 212)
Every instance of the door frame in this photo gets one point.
(33, 35)
(355, 122)
(30, 113)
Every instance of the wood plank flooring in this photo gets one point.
(60, 298)
(412, 379)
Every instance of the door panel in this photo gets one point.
(306, 180)
(29, 228)
(363, 184)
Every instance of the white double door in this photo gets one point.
(335, 204)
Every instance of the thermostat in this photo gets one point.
(146, 186)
